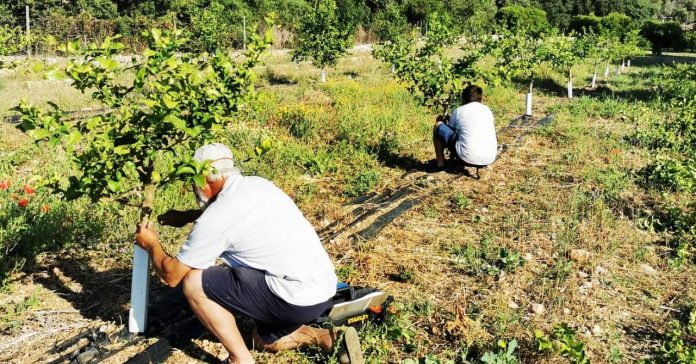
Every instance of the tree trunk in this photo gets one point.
(323, 74)
(140, 281)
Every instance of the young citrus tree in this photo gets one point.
(608, 51)
(630, 47)
(563, 54)
(591, 44)
(394, 34)
(518, 54)
(174, 103)
(322, 37)
(434, 79)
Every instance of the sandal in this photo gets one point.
(349, 351)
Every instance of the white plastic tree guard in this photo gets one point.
(594, 80)
(140, 286)
(628, 64)
(323, 74)
(606, 71)
(528, 100)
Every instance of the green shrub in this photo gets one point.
(586, 23)
(33, 222)
(663, 35)
(679, 344)
(362, 183)
(563, 342)
(504, 354)
(528, 19)
(617, 25)
(485, 259)
(299, 123)
(673, 137)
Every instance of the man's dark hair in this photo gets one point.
(472, 93)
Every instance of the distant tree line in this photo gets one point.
(212, 24)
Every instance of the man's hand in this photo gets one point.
(170, 270)
(146, 235)
(178, 218)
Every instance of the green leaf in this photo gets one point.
(38, 134)
(168, 102)
(176, 121)
(113, 186)
(122, 150)
(185, 170)
(73, 138)
(199, 180)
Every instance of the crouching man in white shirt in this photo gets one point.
(469, 135)
(276, 269)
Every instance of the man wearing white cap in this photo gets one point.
(276, 270)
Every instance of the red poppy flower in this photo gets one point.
(29, 190)
(4, 185)
(23, 202)
(45, 208)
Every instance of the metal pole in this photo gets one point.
(244, 25)
(28, 31)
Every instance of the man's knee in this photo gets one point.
(193, 283)
(436, 126)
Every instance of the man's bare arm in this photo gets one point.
(170, 270)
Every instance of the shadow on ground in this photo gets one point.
(408, 163)
(665, 59)
(105, 295)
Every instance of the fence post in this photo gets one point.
(244, 30)
(26, 8)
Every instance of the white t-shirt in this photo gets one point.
(475, 127)
(254, 224)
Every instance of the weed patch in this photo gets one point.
(563, 342)
(362, 183)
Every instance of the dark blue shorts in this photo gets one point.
(244, 291)
(448, 136)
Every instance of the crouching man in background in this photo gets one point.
(276, 269)
(469, 134)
